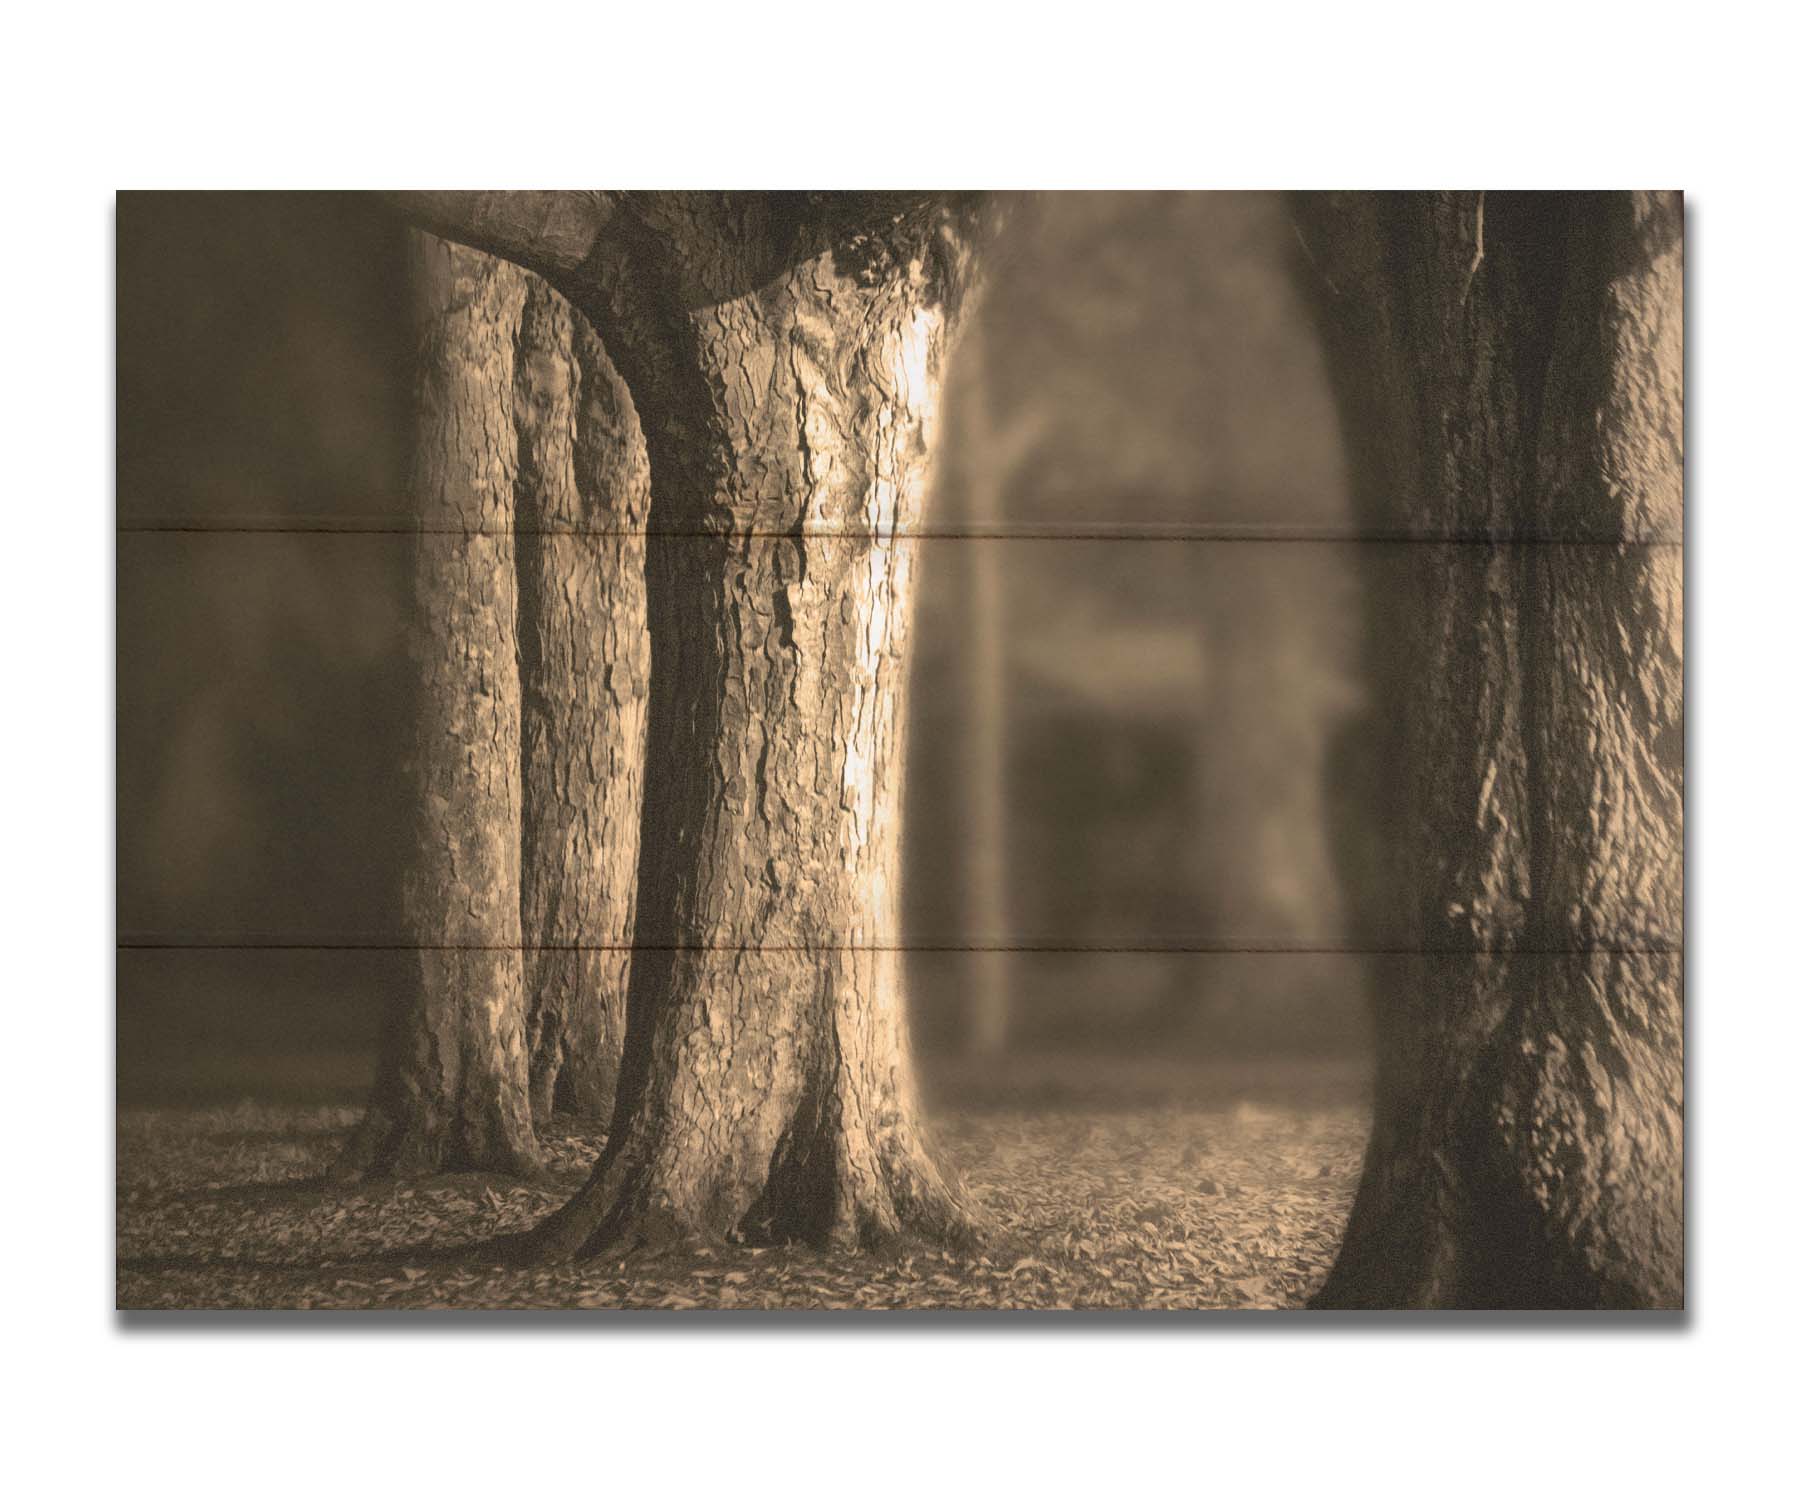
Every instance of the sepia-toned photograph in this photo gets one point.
(875, 752)
(1051, 761)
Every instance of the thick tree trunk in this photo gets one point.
(450, 1091)
(584, 660)
(1509, 369)
(788, 386)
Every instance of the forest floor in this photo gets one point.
(1129, 1186)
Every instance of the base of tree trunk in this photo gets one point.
(449, 1093)
(575, 1033)
(776, 1149)
(387, 1145)
(875, 1206)
(577, 1092)
(1534, 1163)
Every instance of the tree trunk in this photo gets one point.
(584, 657)
(788, 384)
(450, 1090)
(1509, 371)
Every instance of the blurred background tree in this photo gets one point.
(1145, 414)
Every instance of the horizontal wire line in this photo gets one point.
(1148, 532)
(1293, 949)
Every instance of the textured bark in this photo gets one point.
(450, 1091)
(1509, 371)
(584, 659)
(786, 366)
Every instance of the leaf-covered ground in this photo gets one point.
(1175, 1195)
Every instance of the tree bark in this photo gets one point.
(1509, 372)
(786, 371)
(450, 1091)
(583, 495)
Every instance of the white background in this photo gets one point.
(1121, 95)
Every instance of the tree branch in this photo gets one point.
(551, 233)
